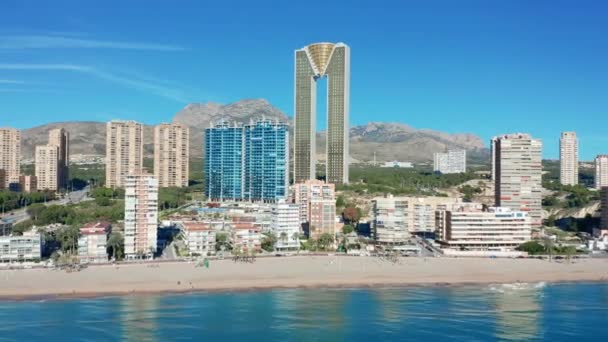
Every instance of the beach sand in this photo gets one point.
(291, 272)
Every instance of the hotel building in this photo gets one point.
(10, 155)
(246, 238)
(517, 170)
(199, 238)
(568, 159)
(141, 215)
(498, 229)
(312, 63)
(171, 155)
(601, 171)
(124, 151)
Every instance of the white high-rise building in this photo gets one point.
(568, 159)
(141, 215)
(10, 155)
(517, 172)
(454, 161)
(47, 167)
(601, 171)
(286, 225)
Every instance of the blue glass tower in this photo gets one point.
(224, 162)
(266, 161)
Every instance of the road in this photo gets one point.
(73, 197)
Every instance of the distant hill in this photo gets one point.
(390, 141)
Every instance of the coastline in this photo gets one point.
(299, 272)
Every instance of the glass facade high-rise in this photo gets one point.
(224, 162)
(313, 62)
(266, 161)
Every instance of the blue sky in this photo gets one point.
(468, 66)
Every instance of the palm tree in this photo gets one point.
(548, 247)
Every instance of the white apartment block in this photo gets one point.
(396, 218)
(246, 238)
(517, 172)
(47, 167)
(10, 155)
(6, 226)
(124, 151)
(171, 155)
(601, 171)
(200, 238)
(453, 161)
(568, 158)
(27, 247)
(141, 215)
(498, 229)
(286, 225)
(93, 242)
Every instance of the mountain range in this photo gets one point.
(388, 141)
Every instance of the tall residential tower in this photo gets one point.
(601, 171)
(171, 155)
(10, 155)
(568, 159)
(312, 63)
(517, 170)
(61, 138)
(124, 151)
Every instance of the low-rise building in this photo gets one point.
(396, 218)
(199, 237)
(497, 229)
(286, 225)
(6, 226)
(93, 242)
(26, 247)
(397, 164)
(246, 238)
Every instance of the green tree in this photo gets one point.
(222, 240)
(68, 238)
(347, 229)
(532, 247)
(269, 240)
(325, 240)
(116, 245)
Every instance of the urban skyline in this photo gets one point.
(411, 85)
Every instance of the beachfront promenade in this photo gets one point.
(291, 272)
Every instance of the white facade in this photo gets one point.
(397, 164)
(246, 238)
(454, 161)
(141, 215)
(498, 229)
(200, 238)
(27, 247)
(601, 171)
(286, 225)
(568, 159)
(93, 243)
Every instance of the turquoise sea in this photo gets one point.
(516, 312)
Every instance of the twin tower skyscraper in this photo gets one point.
(312, 63)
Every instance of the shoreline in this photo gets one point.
(303, 272)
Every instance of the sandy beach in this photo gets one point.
(291, 272)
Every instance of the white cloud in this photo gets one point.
(142, 84)
(20, 42)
